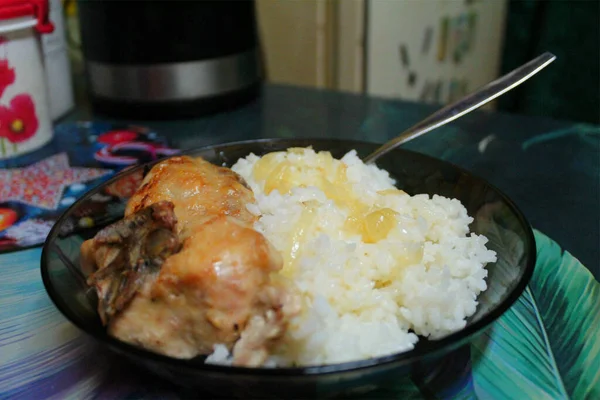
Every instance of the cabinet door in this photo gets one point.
(294, 41)
(317, 43)
(432, 51)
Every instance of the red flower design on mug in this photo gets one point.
(7, 75)
(18, 122)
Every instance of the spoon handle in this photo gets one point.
(467, 104)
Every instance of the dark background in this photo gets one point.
(570, 30)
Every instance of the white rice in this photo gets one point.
(362, 300)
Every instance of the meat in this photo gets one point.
(198, 189)
(185, 270)
(129, 253)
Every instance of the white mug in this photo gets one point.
(25, 122)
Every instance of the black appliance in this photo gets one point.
(168, 58)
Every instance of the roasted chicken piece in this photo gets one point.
(185, 270)
(128, 254)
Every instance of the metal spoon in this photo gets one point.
(467, 104)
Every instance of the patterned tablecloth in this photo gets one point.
(36, 188)
(545, 346)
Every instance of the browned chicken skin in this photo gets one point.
(185, 270)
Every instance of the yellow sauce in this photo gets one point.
(329, 175)
(394, 191)
(378, 224)
(264, 166)
(280, 178)
(305, 224)
(410, 256)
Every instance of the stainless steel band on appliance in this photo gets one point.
(173, 81)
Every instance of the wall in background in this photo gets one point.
(431, 51)
(350, 45)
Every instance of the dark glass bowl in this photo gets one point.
(495, 216)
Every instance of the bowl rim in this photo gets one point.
(434, 347)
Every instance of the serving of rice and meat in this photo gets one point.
(369, 267)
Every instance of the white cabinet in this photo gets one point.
(432, 50)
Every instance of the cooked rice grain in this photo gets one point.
(375, 267)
